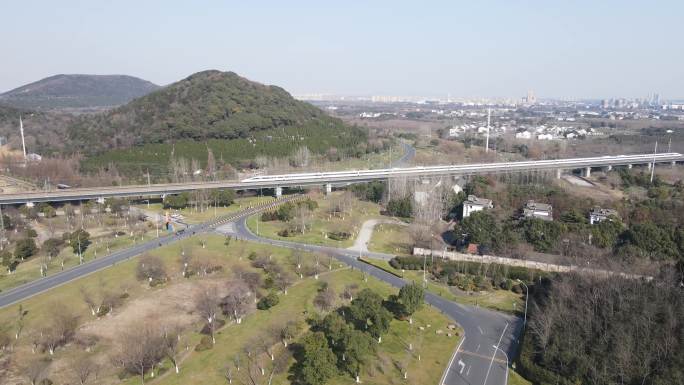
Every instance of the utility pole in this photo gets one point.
(655, 150)
(2, 230)
(489, 118)
(23, 142)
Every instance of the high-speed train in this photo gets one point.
(606, 160)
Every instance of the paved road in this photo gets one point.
(409, 154)
(366, 232)
(482, 327)
(38, 286)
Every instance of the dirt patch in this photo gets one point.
(596, 191)
(172, 304)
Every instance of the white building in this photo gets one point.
(474, 204)
(523, 135)
(538, 210)
(598, 214)
(544, 137)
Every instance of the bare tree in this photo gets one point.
(421, 235)
(228, 374)
(207, 303)
(89, 300)
(289, 331)
(260, 370)
(325, 299)
(83, 369)
(283, 280)
(303, 218)
(171, 338)
(63, 324)
(140, 349)
(349, 291)
(151, 268)
(36, 369)
(237, 301)
(253, 281)
(21, 314)
(301, 157)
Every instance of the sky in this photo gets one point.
(559, 49)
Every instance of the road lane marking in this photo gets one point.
(451, 361)
(483, 356)
(480, 329)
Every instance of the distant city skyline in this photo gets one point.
(501, 49)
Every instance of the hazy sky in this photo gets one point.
(558, 48)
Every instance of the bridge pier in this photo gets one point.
(328, 188)
(587, 172)
(629, 166)
(558, 173)
(649, 165)
(673, 163)
(278, 192)
(609, 168)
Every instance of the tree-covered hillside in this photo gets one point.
(207, 105)
(605, 331)
(78, 91)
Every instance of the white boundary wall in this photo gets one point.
(456, 256)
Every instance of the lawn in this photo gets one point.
(206, 367)
(322, 222)
(29, 270)
(192, 215)
(500, 300)
(390, 239)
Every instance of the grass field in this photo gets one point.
(500, 300)
(29, 270)
(157, 305)
(322, 222)
(191, 215)
(390, 239)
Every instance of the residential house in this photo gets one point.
(473, 204)
(538, 210)
(598, 214)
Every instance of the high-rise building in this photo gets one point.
(530, 98)
(655, 100)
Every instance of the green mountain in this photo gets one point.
(78, 92)
(234, 117)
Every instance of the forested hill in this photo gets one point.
(206, 105)
(237, 119)
(78, 92)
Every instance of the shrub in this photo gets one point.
(269, 216)
(268, 301)
(339, 235)
(205, 344)
(25, 248)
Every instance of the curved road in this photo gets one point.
(483, 328)
(470, 365)
(409, 154)
(38, 286)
